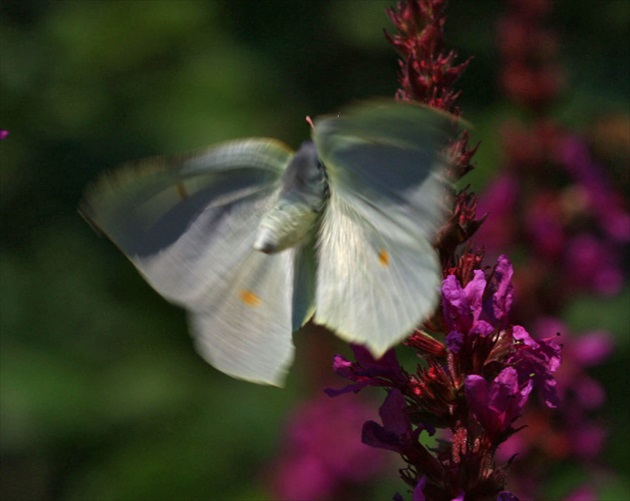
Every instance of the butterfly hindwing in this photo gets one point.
(243, 327)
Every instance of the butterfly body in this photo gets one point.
(254, 240)
(300, 202)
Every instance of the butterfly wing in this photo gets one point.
(378, 275)
(244, 325)
(304, 283)
(188, 224)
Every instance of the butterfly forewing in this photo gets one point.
(188, 224)
(378, 275)
(145, 206)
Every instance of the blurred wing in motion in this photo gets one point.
(188, 224)
(378, 274)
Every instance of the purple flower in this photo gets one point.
(537, 359)
(497, 364)
(367, 371)
(493, 363)
(322, 451)
(496, 404)
(396, 434)
(601, 199)
(466, 312)
(499, 202)
(418, 491)
(462, 306)
(506, 496)
(591, 263)
(503, 290)
(3, 134)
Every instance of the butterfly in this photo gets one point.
(253, 239)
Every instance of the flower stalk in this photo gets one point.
(475, 369)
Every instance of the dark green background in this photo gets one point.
(102, 395)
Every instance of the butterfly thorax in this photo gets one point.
(302, 195)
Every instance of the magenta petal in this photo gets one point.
(482, 328)
(341, 366)
(455, 305)
(506, 496)
(387, 365)
(474, 293)
(418, 491)
(454, 341)
(502, 298)
(396, 433)
(393, 415)
(476, 389)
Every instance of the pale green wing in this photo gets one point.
(188, 224)
(378, 276)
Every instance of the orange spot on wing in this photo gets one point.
(249, 298)
(181, 191)
(383, 257)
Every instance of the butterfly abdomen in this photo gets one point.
(300, 200)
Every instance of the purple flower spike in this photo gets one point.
(470, 345)
(3, 134)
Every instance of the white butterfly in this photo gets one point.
(254, 240)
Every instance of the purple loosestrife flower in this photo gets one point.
(577, 434)
(560, 211)
(473, 385)
(554, 206)
(567, 220)
(497, 404)
(397, 433)
(367, 371)
(596, 193)
(323, 456)
(476, 383)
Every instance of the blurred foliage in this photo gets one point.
(102, 395)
